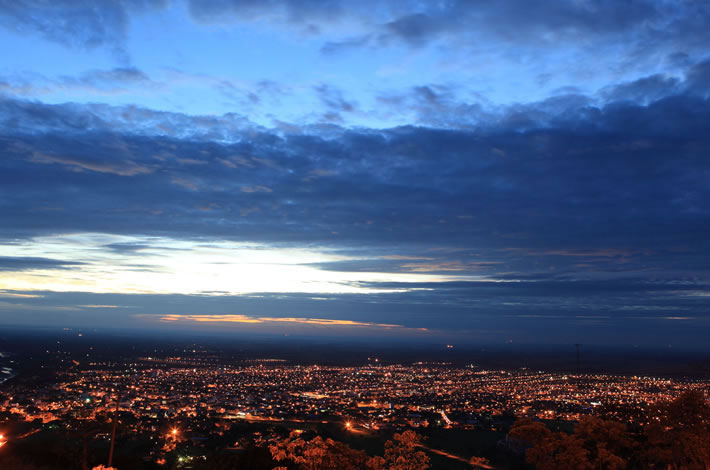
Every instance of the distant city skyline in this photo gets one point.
(430, 171)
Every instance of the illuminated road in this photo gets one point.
(453, 457)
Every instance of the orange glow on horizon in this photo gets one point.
(173, 318)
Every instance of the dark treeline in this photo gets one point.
(673, 435)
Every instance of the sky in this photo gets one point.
(435, 171)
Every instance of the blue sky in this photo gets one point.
(439, 171)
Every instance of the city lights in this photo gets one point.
(379, 395)
(198, 396)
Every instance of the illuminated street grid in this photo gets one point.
(372, 396)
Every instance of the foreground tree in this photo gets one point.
(594, 444)
(318, 454)
(676, 437)
(678, 434)
(479, 462)
(251, 458)
(16, 463)
(402, 453)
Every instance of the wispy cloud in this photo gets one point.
(121, 168)
(255, 189)
(32, 263)
(19, 295)
(99, 306)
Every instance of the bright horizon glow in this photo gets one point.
(167, 266)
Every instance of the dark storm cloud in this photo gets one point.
(118, 74)
(514, 19)
(83, 23)
(31, 117)
(435, 106)
(333, 99)
(698, 78)
(95, 81)
(645, 26)
(644, 90)
(25, 263)
(263, 91)
(565, 210)
(557, 175)
(112, 78)
(335, 47)
(416, 22)
(652, 88)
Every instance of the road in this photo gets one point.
(454, 457)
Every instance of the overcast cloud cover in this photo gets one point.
(436, 170)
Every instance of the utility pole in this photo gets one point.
(115, 423)
(577, 346)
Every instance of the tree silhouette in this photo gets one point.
(594, 444)
(530, 433)
(609, 443)
(679, 433)
(15, 463)
(677, 436)
(479, 462)
(251, 458)
(318, 454)
(402, 452)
